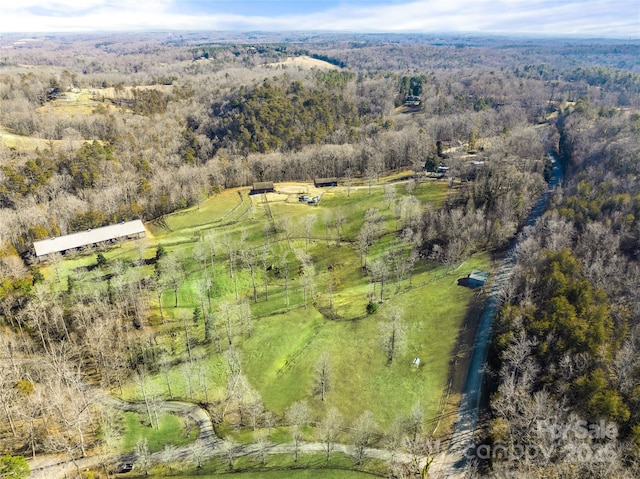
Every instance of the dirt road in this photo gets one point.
(454, 462)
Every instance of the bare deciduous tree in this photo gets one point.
(266, 259)
(341, 219)
(228, 448)
(245, 317)
(283, 268)
(362, 432)
(393, 334)
(322, 375)
(140, 378)
(329, 430)
(307, 226)
(250, 259)
(226, 310)
(169, 455)
(198, 451)
(380, 272)
(262, 446)
(348, 180)
(144, 459)
(297, 416)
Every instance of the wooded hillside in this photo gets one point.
(115, 130)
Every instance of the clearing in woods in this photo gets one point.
(288, 336)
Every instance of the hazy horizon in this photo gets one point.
(583, 18)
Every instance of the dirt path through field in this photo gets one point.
(61, 467)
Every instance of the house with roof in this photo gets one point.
(412, 100)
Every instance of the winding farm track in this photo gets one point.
(52, 467)
(454, 462)
(60, 467)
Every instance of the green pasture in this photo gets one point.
(80, 103)
(325, 473)
(236, 213)
(217, 208)
(203, 378)
(170, 431)
(277, 466)
(286, 340)
(280, 355)
(354, 206)
(19, 142)
(279, 358)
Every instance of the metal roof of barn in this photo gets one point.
(478, 275)
(84, 238)
(263, 185)
(331, 179)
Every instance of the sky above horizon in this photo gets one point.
(586, 18)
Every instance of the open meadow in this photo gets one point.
(318, 289)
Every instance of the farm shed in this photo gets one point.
(262, 187)
(130, 229)
(477, 278)
(324, 182)
(412, 100)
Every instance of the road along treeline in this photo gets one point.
(567, 340)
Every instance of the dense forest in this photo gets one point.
(100, 130)
(567, 339)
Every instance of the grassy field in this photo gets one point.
(80, 103)
(76, 103)
(287, 337)
(19, 142)
(325, 473)
(310, 466)
(280, 356)
(170, 431)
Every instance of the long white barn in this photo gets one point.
(133, 228)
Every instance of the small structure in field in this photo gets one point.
(130, 229)
(324, 182)
(412, 100)
(262, 187)
(477, 278)
(415, 363)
